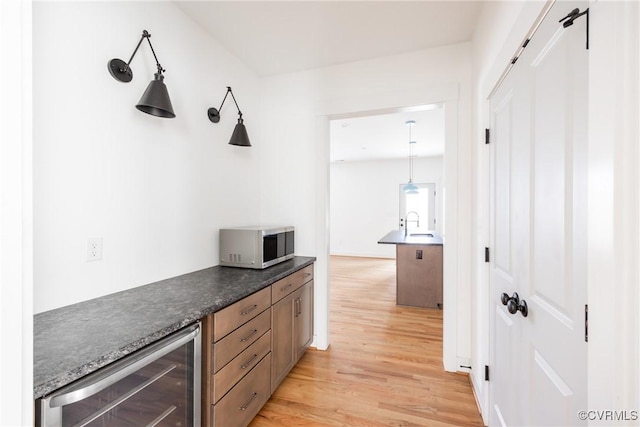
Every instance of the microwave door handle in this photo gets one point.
(110, 376)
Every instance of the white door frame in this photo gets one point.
(352, 107)
(614, 200)
(16, 215)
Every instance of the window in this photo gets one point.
(422, 203)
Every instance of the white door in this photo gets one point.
(422, 206)
(538, 230)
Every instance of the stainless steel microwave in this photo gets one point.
(256, 247)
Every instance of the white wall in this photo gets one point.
(156, 190)
(365, 202)
(294, 111)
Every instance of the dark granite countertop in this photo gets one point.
(415, 237)
(73, 341)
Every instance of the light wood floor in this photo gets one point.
(383, 367)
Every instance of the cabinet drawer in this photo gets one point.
(284, 287)
(240, 366)
(228, 319)
(243, 402)
(238, 340)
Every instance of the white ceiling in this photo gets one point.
(387, 136)
(275, 37)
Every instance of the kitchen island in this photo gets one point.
(418, 267)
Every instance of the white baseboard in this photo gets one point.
(361, 255)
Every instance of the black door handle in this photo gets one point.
(515, 304)
(504, 298)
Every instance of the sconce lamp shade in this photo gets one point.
(155, 100)
(240, 136)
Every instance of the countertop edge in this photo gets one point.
(65, 378)
(397, 237)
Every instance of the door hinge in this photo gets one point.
(486, 372)
(487, 256)
(586, 323)
(487, 134)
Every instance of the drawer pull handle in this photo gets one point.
(251, 399)
(255, 331)
(286, 287)
(307, 275)
(298, 307)
(248, 362)
(249, 310)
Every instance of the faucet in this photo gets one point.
(406, 222)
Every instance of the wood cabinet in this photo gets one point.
(303, 319)
(237, 361)
(243, 402)
(419, 275)
(236, 314)
(292, 322)
(250, 346)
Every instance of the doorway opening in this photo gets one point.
(456, 317)
(368, 164)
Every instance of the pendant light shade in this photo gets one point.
(410, 187)
(155, 100)
(239, 136)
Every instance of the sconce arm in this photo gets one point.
(214, 115)
(225, 98)
(125, 68)
(234, 101)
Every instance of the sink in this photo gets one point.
(421, 235)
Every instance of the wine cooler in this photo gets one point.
(158, 385)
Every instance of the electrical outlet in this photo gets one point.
(94, 249)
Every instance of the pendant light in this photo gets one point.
(155, 100)
(410, 187)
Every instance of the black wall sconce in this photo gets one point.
(239, 136)
(155, 100)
